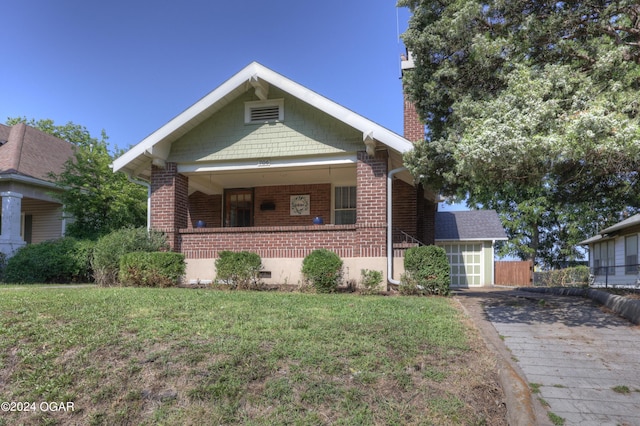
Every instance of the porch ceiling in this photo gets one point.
(216, 182)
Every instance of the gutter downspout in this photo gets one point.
(390, 175)
(148, 186)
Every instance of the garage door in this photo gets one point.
(466, 264)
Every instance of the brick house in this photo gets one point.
(30, 213)
(264, 164)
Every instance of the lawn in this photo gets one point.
(184, 356)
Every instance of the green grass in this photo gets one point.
(535, 387)
(181, 356)
(556, 419)
(621, 389)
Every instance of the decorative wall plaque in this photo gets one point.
(300, 205)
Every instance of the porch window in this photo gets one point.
(238, 210)
(631, 254)
(604, 258)
(345, 205)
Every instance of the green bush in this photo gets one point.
(239, 269)
(3, 265)
(426, 270)
(371, 281)
(111, 247)
(323, 270)
(64, 260)
(151, 269)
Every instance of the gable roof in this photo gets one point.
(474, 225)
(254, 75)
(27, 151)
(603, 235)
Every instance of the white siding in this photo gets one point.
(47, 219)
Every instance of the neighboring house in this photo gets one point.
(30, 214)
(259, 161)
(613, 253)
(469, 238)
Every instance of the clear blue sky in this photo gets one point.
(130, 66)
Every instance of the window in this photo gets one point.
(345, 205)
(604, 258)
(631, 254)
(238, 210)
(256, 112)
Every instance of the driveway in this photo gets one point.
(581, 361)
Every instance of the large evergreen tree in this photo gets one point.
(98, 200)
(532, 109)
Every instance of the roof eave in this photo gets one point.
(253, 70)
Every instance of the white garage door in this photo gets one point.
(466, 264)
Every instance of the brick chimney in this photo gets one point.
(413, 127)
(414, 130)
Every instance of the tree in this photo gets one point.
(532, 109)
(98, 200)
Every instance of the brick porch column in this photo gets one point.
(371, 204)
(169, 202)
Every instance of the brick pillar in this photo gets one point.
(371, 204)
(169, 202)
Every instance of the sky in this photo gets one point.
(128, 67)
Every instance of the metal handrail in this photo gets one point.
(409, 237)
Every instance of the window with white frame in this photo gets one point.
(631, 254)
(604, 258)
(345, 205)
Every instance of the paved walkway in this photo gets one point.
(583, 361)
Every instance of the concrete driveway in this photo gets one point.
(580, 360)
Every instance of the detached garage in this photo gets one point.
(469, 238)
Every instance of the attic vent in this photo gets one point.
(264, 111)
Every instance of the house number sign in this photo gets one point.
(300, 205)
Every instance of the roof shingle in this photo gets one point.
(469, 225)
(31, 152)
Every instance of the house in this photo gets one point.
(469, 239)
(30, 213)
(265, 164)
(613, 253)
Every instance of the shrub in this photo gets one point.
(3, 265)
(427, 270)
(151, 269)
(239, 269)
(63, 260)
(568, 277)
(111, 247)
(370, 281)
(323, 270)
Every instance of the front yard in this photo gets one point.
(184, 356)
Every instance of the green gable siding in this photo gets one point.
(305, 131)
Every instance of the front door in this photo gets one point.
(238, 210)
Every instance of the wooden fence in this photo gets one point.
(514, 273)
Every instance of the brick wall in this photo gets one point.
(270, 242)
(207, 208)
(169, 201)
(371, 195)
(404, 208)
(319, 196)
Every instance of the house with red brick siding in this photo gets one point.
(265, 164)
(30, 212)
